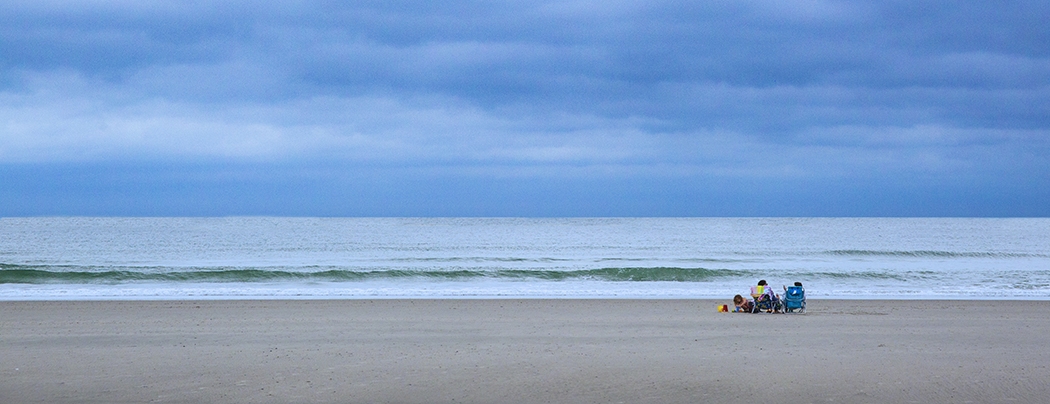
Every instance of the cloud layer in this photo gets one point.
(813, 92)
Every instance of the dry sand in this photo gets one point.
(521, 351)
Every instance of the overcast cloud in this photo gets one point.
(525, 108)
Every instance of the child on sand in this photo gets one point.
(742, 305)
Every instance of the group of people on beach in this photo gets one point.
(763, 296)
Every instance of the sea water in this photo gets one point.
(307, 258)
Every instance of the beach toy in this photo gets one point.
(723, 308)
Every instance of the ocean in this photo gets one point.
(65, 258)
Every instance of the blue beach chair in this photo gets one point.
(795, 299)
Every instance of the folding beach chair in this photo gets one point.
(764, 300)
(795, 299)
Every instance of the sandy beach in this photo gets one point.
(521, 351)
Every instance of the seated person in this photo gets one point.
(765, 297)
(742, 305)
(763, 289)
(799, 284)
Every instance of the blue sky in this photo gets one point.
(525, 108)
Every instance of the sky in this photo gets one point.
(525, 108)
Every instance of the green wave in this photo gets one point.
(20, 274)
(46, 274)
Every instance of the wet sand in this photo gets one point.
(521, 351)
